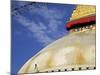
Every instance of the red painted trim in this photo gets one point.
(81, 20)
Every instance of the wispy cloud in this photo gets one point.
(37, 31)
(43, 32)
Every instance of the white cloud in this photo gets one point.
(41, 30)
(46, 12)
(38, 33)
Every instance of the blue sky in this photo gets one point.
(34, 27)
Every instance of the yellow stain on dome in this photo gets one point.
(79, 58)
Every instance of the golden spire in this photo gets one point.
(82, 11)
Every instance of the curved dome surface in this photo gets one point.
(73, 51)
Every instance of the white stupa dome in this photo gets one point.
(72, 52)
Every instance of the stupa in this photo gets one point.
(75, 51)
